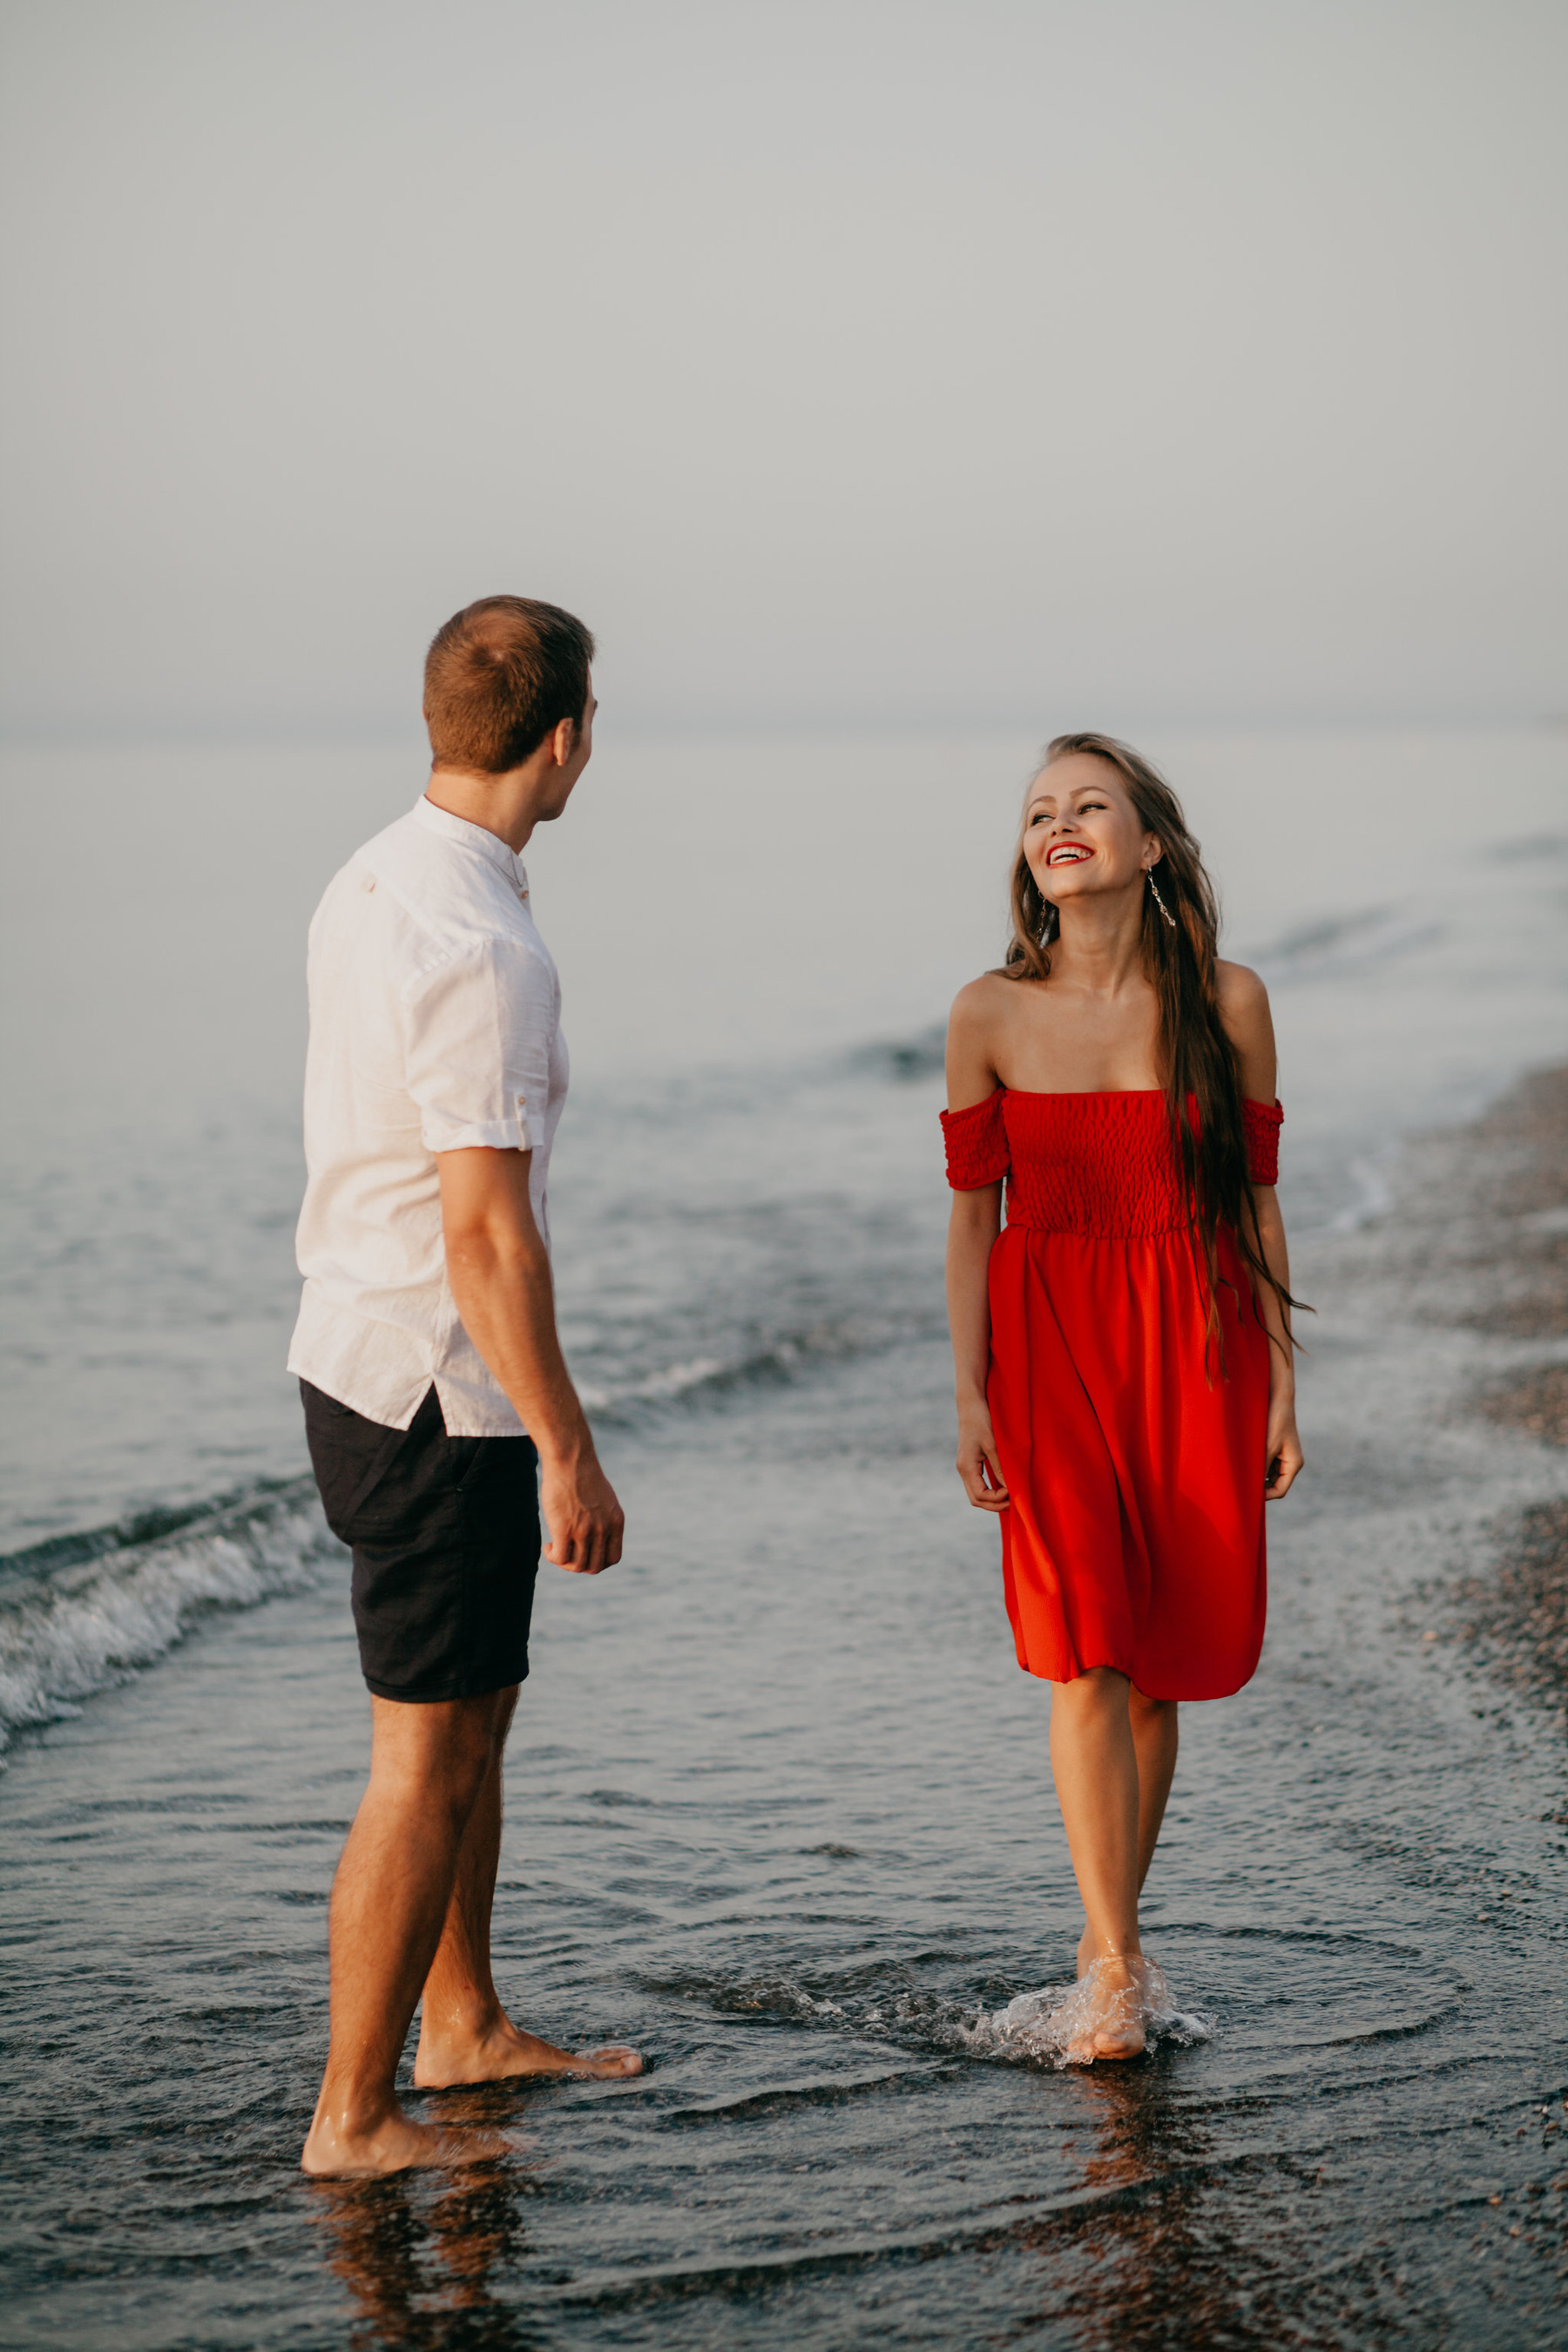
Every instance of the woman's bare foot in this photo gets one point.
(1103, 2017)
(335, 2150)
(501, 2051)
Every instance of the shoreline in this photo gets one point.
(1482, 1212)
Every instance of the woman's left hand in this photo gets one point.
(1282, 1453)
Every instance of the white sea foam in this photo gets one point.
(662, 1387)
(1057, 2024)
(1374, 1196)
(66, 1634)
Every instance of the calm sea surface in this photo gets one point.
(779, 1800)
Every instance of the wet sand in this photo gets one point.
(1477, 1233)
(1482, 1215)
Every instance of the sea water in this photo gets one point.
(779, 1799)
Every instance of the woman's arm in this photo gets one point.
(975, 1225)
(1282, 1448)
(975, 1222)
(1244, 1009)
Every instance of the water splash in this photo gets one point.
(1057, 2025)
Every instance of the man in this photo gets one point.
(428, 1360)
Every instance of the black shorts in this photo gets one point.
(445, 1535)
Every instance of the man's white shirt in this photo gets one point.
(435, 1025)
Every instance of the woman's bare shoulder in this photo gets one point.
(1242, 995)
(984, 1009)
(981, 1001)
(973, 1029)
(1250, 1026)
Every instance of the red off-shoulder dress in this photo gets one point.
(1133, 1536)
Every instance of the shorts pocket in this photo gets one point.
(495, 1465)
(351, 1455)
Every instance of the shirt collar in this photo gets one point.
(476, 837)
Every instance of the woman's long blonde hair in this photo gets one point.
(1197, 1059)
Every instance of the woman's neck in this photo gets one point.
(1100, 943)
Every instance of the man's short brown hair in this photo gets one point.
(500, 677)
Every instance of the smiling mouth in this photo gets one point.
(1068, 853)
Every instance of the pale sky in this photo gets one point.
(845, 363)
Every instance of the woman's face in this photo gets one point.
(1081, 833)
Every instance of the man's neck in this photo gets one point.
(506, 805)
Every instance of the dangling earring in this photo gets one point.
(1149, 878)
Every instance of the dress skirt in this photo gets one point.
(1134, 1535)
(1132, 1447)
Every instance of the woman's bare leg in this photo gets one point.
(1095, 1762)
(1155, 1740)
(1153, 1725)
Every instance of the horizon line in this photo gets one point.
(380, 734)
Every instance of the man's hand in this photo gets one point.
(585, 1521)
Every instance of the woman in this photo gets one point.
(1126, 1387)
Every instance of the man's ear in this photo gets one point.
(563, 741)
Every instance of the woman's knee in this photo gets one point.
(1097, 1688)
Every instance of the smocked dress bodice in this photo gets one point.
(1102, 1164)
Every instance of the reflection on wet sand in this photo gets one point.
(1165, 2231)
(428, 2256)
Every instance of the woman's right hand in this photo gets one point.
(977, 1463)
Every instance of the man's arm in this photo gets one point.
(498, 1271)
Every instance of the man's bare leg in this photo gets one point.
(1154, 1741)
(464, 2034)
(394, 1883)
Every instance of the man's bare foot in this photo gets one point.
(333, 2151)
(1107, 2012)
(501, 2051)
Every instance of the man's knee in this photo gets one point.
(443, 1750)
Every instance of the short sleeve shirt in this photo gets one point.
(435, 1026)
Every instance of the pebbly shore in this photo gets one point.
(1481, 1220)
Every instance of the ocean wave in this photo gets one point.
(1529, 848)
(1340, 944)
(80, 1612)
(1372, 1195)
(920, 1057)
(627, 1401)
